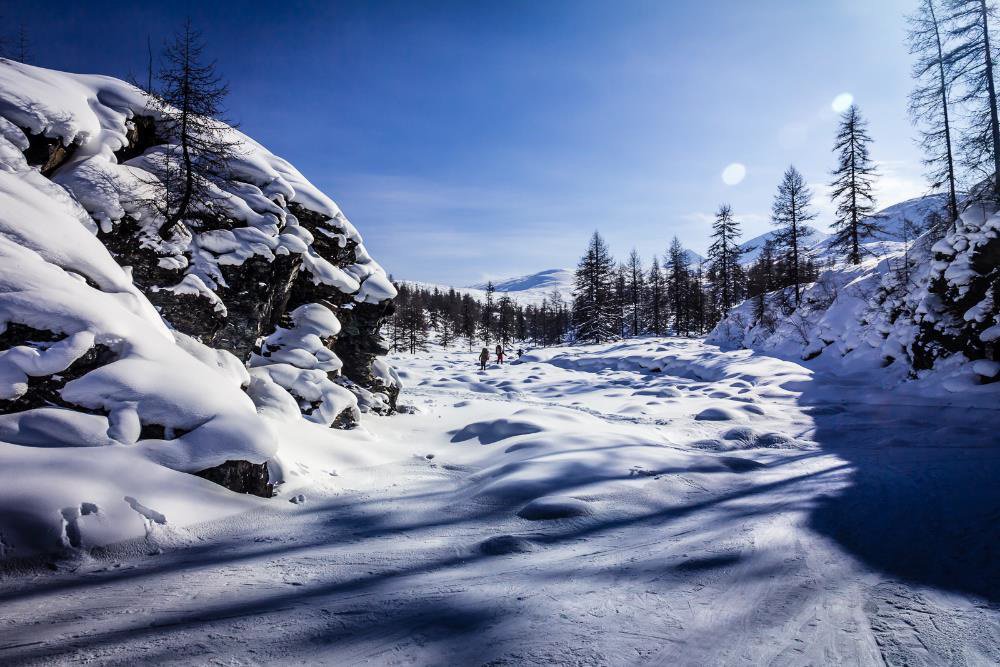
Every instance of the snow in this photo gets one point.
(568, 506)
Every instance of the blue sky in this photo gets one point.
(486, 139)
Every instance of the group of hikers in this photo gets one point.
(484, 356)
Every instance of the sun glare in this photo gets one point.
(734, 173)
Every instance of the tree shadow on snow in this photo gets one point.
(923, 499)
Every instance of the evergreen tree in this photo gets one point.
(621, 301)
(971, 60)
(763, 279)
(852, 186)
(724, 254)
(790, 212)
(468, 320)
(929, 103)
(635, 287)
(593, 294)
(189, 106)
(486, 319)
(655, 298)
(697, 300)
(678, 283)
(506, 320)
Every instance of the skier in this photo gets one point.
(520, 352)
(500, 355)
(484, 356)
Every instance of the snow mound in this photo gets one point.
(554, 507)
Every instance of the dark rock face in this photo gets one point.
(256, 296)
(241, 477)
(46, 153)
(141, 136)
(360, 342)
(43, 391)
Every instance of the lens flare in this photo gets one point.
(734, 174)
(842, 102)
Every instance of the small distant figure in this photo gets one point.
(500, 355)
(520, 352)
(484, 357)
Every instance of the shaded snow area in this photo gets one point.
(657, 501)
(104, 407)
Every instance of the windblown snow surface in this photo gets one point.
(656, 501)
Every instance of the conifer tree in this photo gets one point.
(790, 212)
(852, 187)
(724, 254)
(621, 301)
(929, 101)
(971, 60)
(188, 105)
(678, 279)
(655, 306)
(635, 289)
(486, 320)
(468, 320)
(593, 294)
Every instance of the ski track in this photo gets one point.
(811, 551)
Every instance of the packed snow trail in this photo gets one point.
(657, 501)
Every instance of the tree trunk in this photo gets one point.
(991, 88)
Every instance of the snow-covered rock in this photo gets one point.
(122, 350)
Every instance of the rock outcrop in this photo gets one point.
(268, 289)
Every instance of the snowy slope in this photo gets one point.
(908, 309)
(105, 406)
(754, 246)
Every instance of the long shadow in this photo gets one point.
(923, 502)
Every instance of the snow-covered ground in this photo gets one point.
(654, 501)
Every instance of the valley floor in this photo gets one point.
(656, 501)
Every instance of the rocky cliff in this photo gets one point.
(188, 350)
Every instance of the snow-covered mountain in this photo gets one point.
(529, 290)
(122, 349)
(547, 280)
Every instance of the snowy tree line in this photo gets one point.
(425, 317)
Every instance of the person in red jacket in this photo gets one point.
(500, 355)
